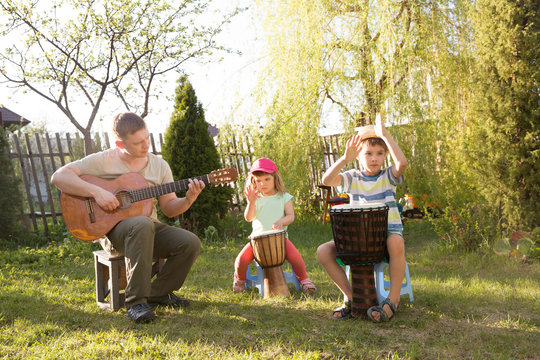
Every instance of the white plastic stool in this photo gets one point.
(257, 280)
(381, 285)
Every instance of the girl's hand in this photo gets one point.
(380, 131)
(251, 193)
(278, 225)
(352, 148)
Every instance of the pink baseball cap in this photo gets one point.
(265, 165)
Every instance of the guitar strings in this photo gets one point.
(157, 190)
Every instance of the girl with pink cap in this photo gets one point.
(269, 207)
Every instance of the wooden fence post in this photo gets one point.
(46, 179)
(24, 174)
(236, 152)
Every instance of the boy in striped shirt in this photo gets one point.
(370, 184)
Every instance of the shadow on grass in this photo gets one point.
(460, 310)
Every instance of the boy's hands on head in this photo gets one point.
(251, 193)
(352, 148)
(380, 131)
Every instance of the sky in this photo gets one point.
(225, 89)
(219, 86)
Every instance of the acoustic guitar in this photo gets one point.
(87, 221)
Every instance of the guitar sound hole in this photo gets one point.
(124, 198)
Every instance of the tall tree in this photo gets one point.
(96, 50)
(361, 50)
(292, 83)
(506, 111)
(191, 151)
(11, 197)
(434, 99)
(330, 60)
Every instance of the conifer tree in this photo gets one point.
(11, 197)
(506, 109)
(190, 151)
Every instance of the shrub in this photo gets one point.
(460, 228)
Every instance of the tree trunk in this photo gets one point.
(88, 146)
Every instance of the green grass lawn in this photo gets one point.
(467, 306)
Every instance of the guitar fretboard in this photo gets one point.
(153, 191)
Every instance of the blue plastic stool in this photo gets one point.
(381, 285)
(257, 280)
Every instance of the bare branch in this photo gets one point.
(341, 105)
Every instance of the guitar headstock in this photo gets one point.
(223, 176)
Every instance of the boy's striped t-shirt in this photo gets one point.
(380, 188)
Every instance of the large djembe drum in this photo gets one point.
(360, 233)
(269, 251)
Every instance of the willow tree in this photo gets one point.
(328, 57)
(435, 100)
(99, 50)
(292, 83)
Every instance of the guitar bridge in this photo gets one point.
(90, 210)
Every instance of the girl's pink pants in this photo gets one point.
(245, 257)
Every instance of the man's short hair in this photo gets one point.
(127, 123)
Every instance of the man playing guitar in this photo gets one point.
(139, 238)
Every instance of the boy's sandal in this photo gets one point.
(307, 286)
(344, 311)
(383, 316)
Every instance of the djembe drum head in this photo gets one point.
(360, 232)
(269, 251)
(269, 248)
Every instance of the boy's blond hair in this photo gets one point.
(278, 183)
(372, 141)
(369, 136)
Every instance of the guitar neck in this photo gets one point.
(158, 190)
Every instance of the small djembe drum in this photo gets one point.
(360, 233)
(269, 251)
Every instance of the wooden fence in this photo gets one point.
(36, 157)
